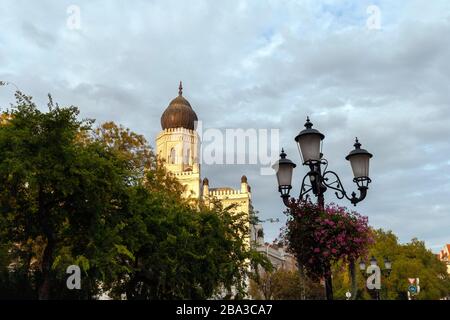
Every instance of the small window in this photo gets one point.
(172, 156)
(188, 157)
(260, 233)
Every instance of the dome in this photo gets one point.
(179, 113)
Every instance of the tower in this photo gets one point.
(177, 143)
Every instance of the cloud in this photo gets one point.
(262, 64)
(44, 40)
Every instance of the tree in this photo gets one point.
(286, 285)
(132, 147)
(55, 191)
(410, 260)
(320, 237)
(179, 252)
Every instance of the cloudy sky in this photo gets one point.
(261, 64)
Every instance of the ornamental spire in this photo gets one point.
(308, 124)
(357, 145)
(180, 89)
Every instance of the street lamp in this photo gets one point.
(387, 266)
(285, 168)
(317, 180)
(362, 266)
(373, 281)
(309, 143)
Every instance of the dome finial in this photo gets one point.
(179, 113)
(180, 89)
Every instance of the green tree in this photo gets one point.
(55, 192)
(410, 260)
(286, 285)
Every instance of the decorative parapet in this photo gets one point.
(177, 134)
(224, 192)
(184, 173)
(177, 130)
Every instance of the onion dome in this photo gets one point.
(179, 113)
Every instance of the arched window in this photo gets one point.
(172, 156)
(187, 160)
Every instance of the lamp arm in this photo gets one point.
(305, 188)
(286, 200)
(336, 185)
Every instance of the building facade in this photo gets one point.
(278, 255)
(444, 255)
(178, 145)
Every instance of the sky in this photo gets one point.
(378, 70)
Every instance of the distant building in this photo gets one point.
(444, 255)
(278, 255)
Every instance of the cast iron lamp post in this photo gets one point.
(319, 179)
(309, 142)
(373, 282)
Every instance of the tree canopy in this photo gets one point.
(284, 284)
(410, 260)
